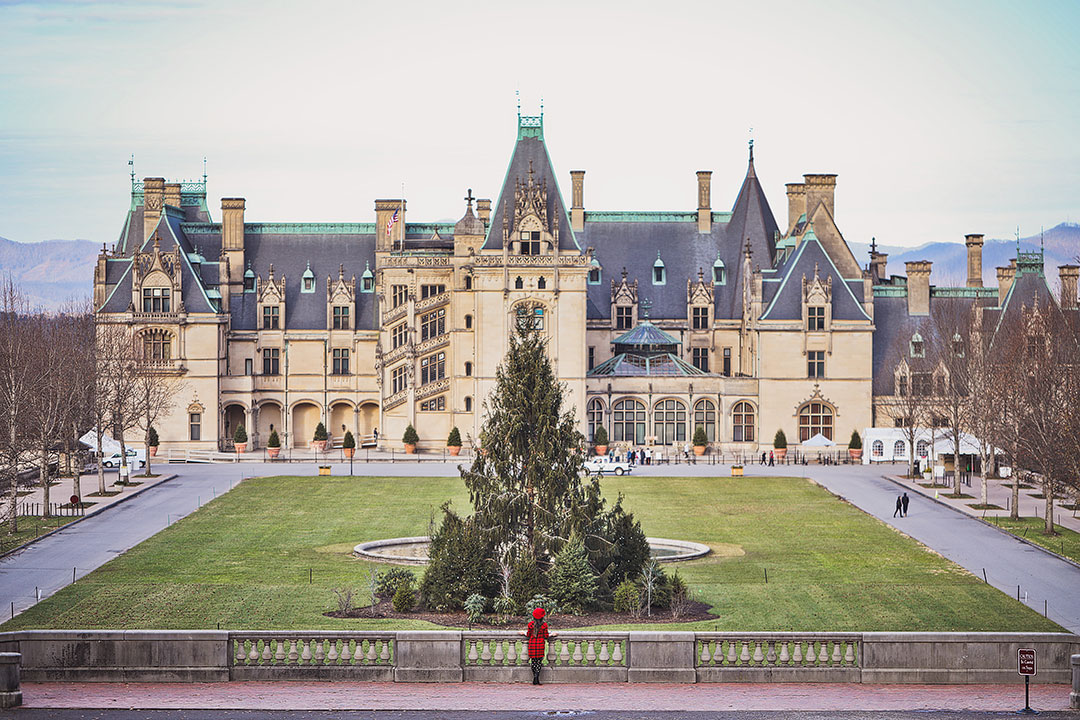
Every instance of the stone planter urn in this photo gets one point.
(699, 450)
(454, 449)
(153, 451)
(318, 445)
(410, 448)
(779, 453)
(240, 448)
(273, 452)
(349, 452)
(855, 454)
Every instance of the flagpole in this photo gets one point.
(401, 206)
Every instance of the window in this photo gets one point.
(700, 318)
(432, 368)
(398, 379)
(658, 270)
(434, 404)
(592, 357)
(727, 362)
(701, 359)
(468, 404)
(595, 416)
(249, 366)
(705, 417)
(433, 324)
(468, 369)
(195, 426)
(156, 300)
(719, 272)
(958, 345)
(899, 449)
(815, 318)
(742, 422)
(468, 322)
(271, 317)
(398, 335)
(341, 361)
(922, 384)
(519, 283)
(249, 281)
(901, 385)
(541, 283)
(367, 284)
(533, 316)
(624, 317)
(157, 345)
(815, 418)
(629, 422)
(530, 242)
(815, 364)
(877, 449)
(918, 347)
(341, 317)
(309, 284)
(427, 291)
(669, 422)
(399, 295)
(468, 282)
(271, 360)
(594, 274)
(922, 448)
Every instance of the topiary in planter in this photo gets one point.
(780, 440)
(455, 438)
(240, 436)
(349, 442)
(410, 437)
(856, 442)
(273, 441)
(320, 433)
(699, 437)
(152, 437)
(601, 437)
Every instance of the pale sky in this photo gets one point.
(940, 118)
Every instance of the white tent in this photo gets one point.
(818, 440)
(108, 445)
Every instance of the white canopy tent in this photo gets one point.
(818, 441)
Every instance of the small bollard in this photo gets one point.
(10, 690)
(1074, 696)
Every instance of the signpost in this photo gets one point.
(1025, 665)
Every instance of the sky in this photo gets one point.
(940, 118)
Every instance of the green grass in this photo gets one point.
(1066, 542)
(30, 527)
(243, 559)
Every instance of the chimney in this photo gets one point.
(918, 287)
(1005, 277)
(974, 260)
(704, 204)
(796, 203)
(153, 197)
(878, 262)
(577, 207)
(232, 233)
(820, 190)
(1069, 275)
(172, 194)
(384, 212)
(483, 211)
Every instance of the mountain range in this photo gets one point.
(55, 273)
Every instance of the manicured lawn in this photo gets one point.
(30, 527)
(243, 560)
(1066, 542)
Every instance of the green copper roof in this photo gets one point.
(632, 364)
(530, 126)
(646, 336)
(651, 216)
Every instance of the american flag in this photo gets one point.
(391, 221)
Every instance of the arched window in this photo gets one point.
(157, 345)
(468, 404)
(899, 449)
(742, 422)
(519, 283)
(596, 417)
(877, 449)
(815, 418)
(468, 282)
(541, 283)
(468, 322)
(530, 315)
(705, 416)
(628, 422)
(922, 448)
(468, 369)
(669, 422)
(719, 272)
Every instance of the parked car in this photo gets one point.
(607, 465)
(112, 460)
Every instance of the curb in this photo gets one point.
(1024, 540)
(90, 514)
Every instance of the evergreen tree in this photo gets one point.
(459, 564)
(572, 582)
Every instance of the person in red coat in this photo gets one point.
(537, 633)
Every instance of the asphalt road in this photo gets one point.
(59, 714)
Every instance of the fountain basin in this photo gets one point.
(414, 550)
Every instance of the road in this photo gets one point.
(55, 714)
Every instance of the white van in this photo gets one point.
(112, 460)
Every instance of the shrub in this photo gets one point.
(455, 438)
(503, 605)
(699, 437)
(542, 601)
(273, 441)
(678, 596)
(320, 433)
(779, 440)
(458, 564)
(404, 598)
(344, 600)
(571, 579)
(856, 442)
(526, 581)
(348, 442)
(410, 437)
(392, 579)
(240, 436)
(474, 607)
(601, 437)
(151, 437)
(627, 597)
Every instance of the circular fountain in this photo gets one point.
(414, 550)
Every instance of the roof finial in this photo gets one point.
(469, 198)
(131, 164)
(646, 305)
(748, 252)
(517, 94)
(751, 144)
(541, 107)
(873, 246)
(1017, 241)
(204, 172)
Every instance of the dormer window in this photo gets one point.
(341, 317)
(958, 345)
(815, 318)
(271, 317)
(307, 282)
(367, 280)
(530, 242)
(249, 280)
(594, 273)
(157, 300)
(719, 271)
(658, 273)
(918, 347)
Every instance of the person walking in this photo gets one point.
(537, 634)
(899, 506)
(648, 456)
(904, 501)
(772, 459)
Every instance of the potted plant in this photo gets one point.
(700, 441)
(600, 441)
(410, 438)
(239, 439)
(273, 445)
(779, 444)
(737, 470)
(454, 441)
(318, 440)
(152, 441)
(854, 448)
(348, 444)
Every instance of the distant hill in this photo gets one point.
(51, 273)
(1062, 247)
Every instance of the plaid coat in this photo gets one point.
(536, 639)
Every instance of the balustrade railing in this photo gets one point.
(777, 650)
(504, 649)
(433, 301)
(394, 313)
(268, 649)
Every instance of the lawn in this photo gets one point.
(30, 527)
(268, 554)
(1066, 542)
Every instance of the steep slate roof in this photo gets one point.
(753, 217)
(786, 304)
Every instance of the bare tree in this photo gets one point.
(910, 406)
(153, 393)
(949, 342)
(119, 367)
(986, 400)
(17, 358)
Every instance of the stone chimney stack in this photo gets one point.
(577, 207)
(918, 287)
(232, 234)
(1005, 276)
(974, 260)
(153, 200)
(820, 190)
(172, 194)
(796, 203)
(1069, 275)
(384, 212)
(878, 263)
(704, 202)
(483, 211)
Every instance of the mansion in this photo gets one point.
(657, 322)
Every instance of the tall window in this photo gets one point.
(815, 418)
(594, 276)
(427, 291)
(530, 316)
(592, 357)
(249, 366)
(341, 317)
(701, 318)
(901, 385)
(398, 334)
(432, 368)
(249, 282)
(468, 404)
(399, 295)
(433, 324)
(701, 358)
(468, 369)
(398, 379)
(742, 422)
(541, 283)
(899, 449)
(468, 322)
(271, 317)
(727, 362)
(815, 364)
(530, 242)
(922, 384)
(628, 422)
(271, 361)
(877, 449)
(157, 300)
(922, 448)
(468, 282)
(815, 318)
(519, 284)
(596, 417)
(341, 361)
(669, 422)
(705, 417)
(367, 284)
(157, 345)
(624, 317)
(195, 426)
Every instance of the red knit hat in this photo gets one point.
(538, 613)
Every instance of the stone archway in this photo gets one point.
(268, 420)
(342, 418)
(367, 422)
(235, 415)
(305, 418)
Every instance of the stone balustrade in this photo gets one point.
(761, 657)
(270, 655)
(571, 657)
(432, 302)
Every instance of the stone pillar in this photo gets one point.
(232, 237)
(1074, 696)
(172, 194)
(666, 657)
(796, 203)
(428, 656)
(704, 202)
(974, 260)
(1069, 275)
(11, 690)
(918, 287)
(577, 207)
(820, 190)
(1005, 277)
(483, 211)
(878, 264)
(153, 198)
